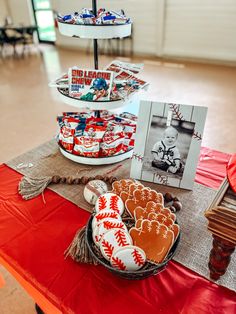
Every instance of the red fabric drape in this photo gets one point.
(34, 235)
(231, 172)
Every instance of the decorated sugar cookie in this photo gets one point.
(175, 228)
(93, 190)
(112, 240)
(109, 201)
(106, 225)
(161, 219)
(138, 223)
(155, 207)
(128, 258)
(141, 198)
(122, 185)
(154, 238)
(129, 194)
(104, 214)
(142, 213)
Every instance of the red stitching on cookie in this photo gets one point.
(111, 225)
(113, 203)
(108, 248)
(121, 238)
(106, 215)
(138, 258)
(116, 262)
(102, 202)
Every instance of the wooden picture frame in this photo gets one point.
(221, 213)
(187, 122)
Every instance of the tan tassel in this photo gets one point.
(78, 249)
(32, 187)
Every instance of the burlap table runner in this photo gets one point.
(48, 161)
(196, 242)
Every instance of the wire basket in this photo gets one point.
(149, 269)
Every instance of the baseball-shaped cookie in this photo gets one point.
(112, 240)
(109, 201)
(104, 214)
(128, 258)
(104, 226)
(93, 190)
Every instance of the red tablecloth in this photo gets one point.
(34, 235)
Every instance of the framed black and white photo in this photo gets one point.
(168, 142)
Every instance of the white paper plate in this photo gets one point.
(97, 161)
(95, 31)
(98, 105)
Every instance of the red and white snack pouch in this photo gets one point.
(79, 115)
(96, 121)
(129, 142)
(88, 145)
(72, 122)
(112, 142)
(129, 131)
(67, 131)
(129, 128)
(128, 115)
(106, 115)
(67, 142)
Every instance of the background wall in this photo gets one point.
(19, 11)
(3, 11)
(185, 28)
(200, 29)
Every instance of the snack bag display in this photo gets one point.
(86, 16)
(84, 134)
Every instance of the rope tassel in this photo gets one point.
(32, 187)
(78, 249)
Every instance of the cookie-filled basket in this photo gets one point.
(132, 232)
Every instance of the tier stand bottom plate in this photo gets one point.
(97, 161)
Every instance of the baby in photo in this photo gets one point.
(166, 155)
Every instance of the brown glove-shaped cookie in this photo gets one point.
(141, 198)
(155, 239)
(121, 185)
(142, 213)
(154, 207)
(129, 194)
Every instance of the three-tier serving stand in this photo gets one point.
(95, 32)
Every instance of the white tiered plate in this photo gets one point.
(95, 31)
(97, 105)
(96, 161)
